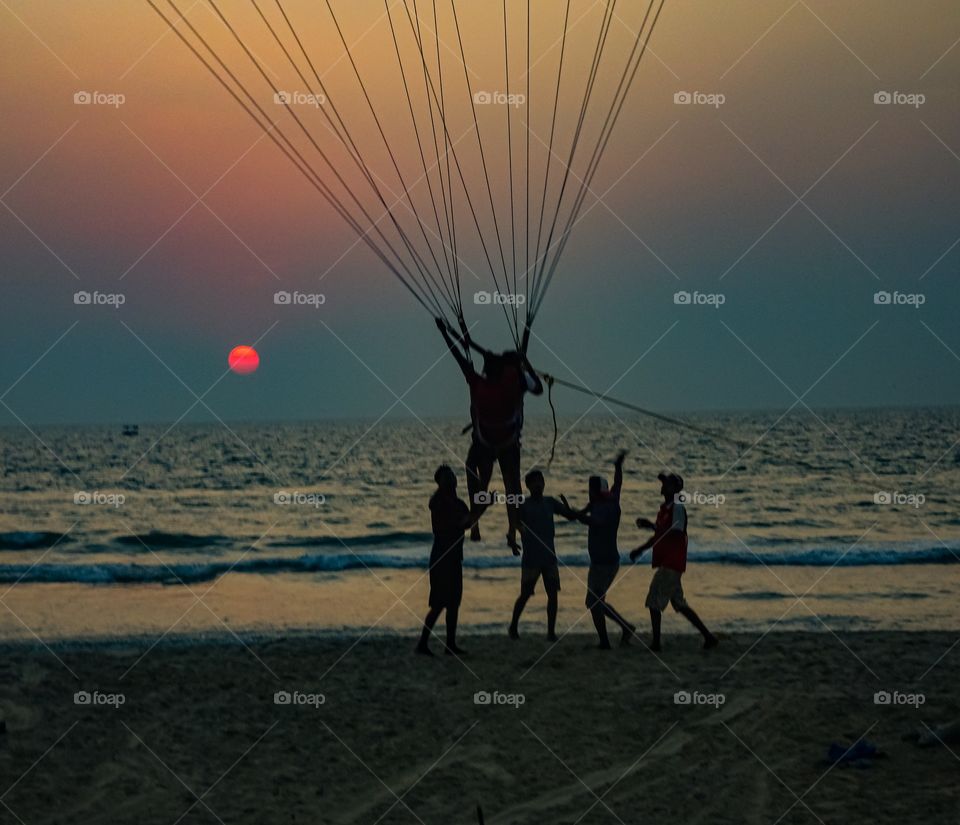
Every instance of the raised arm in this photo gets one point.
(618, 474)
(466, 367)
(531, 380)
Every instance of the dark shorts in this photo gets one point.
(530, 575)
(599, 579)
(446, 583)
(666, 588)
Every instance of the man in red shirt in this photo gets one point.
(669, 543)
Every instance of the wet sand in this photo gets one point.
(194, 734)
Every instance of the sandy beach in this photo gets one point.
(200, 733)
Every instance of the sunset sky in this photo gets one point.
(796, 199)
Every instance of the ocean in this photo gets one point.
(837, 520)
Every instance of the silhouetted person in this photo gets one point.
(602, 515)
(496, 413)
(539, 554)
(669, 543)
(450, 518)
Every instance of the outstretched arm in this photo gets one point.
(464, 336)
(566, 510)
(465, 366)
(618, 473)
(635, 554)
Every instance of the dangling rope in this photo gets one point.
(553, 411)
(551, 380)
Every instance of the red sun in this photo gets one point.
(243, 360)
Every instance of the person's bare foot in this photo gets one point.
(454, 650)
(603, 646)
(513, 633)
(655, 647)
(552, 637)
(423, 650)
(710, 641)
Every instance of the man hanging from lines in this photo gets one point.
(496, 415)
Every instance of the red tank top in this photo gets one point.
(497, 407)
(670, 546)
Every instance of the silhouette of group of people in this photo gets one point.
(496, 411)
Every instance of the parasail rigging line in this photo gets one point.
(343, 133)
(398, 267)
(607, 130)
(568, 165)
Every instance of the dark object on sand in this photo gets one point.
(860, 754)
(479, 814)
(131, 429)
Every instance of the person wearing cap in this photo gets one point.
(602, 516)
(669, 543)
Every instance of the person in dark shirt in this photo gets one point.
(450, 518)
(496, 414)
(602, 516)
(669, 543)
(539, 554)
